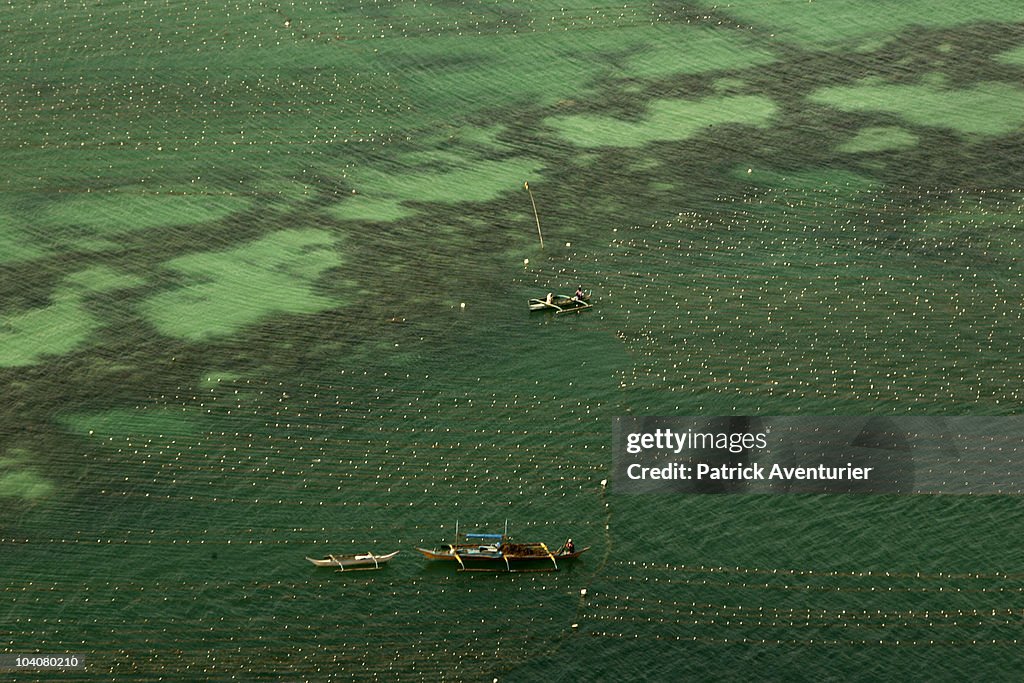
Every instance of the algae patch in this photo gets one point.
(24, 484)
(666, 120)
(18, 481)
(989, 108)
(879, 139)
(381, 194)
(118, 423)
(128, 211)
(26, 337)
(221, 292)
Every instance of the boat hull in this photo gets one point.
(560, 304)
(466, 557)
(367, 561)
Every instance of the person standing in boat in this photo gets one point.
(569, 547)
(580, 296)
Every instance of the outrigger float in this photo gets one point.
(496, 553)
(354, 562)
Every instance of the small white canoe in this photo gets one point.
(343, 562)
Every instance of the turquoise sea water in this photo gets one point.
(234, 244)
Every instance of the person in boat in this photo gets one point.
(550, 298)
(580, 296)
(569, 547)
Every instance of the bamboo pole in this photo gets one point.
(555, 562)
(536, 216)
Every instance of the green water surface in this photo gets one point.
(264, 297)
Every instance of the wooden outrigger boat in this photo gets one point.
(561, 303)
(495, 553)
(354, 562)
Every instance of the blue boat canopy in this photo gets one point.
(496, 537)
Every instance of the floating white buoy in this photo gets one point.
(583, 592)
(750, 170)
(462, 305)
(526, 262)
(568, 244)
(604, 482)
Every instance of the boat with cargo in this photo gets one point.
(497, 552)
